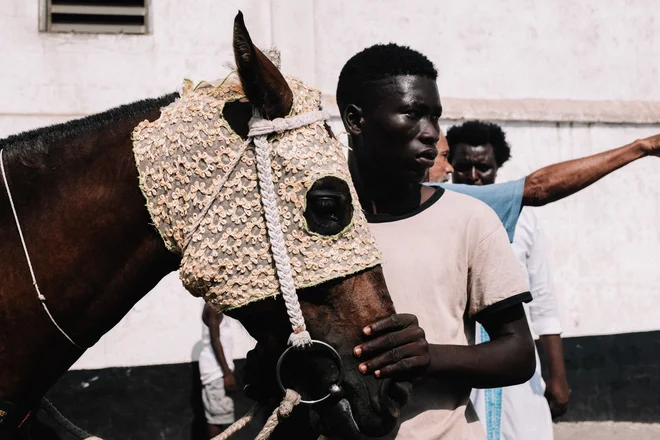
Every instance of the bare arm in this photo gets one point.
(554, 352)
(557, 390)
(560, 180)
(213, 319)
(507, 359)
(399, 348)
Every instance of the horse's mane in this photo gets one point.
(39, 140)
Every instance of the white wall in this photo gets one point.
(164, 327)
(605, 240)
(52, 77)
(492, 59)
(577, 49)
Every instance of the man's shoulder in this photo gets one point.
(497, 193)
(528, 219)
(529, 215)
(476, 218)
(464, 199)
(504, 198)
(526, 228)
(460, 203)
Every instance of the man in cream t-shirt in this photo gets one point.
(446, 257)
(446, 294)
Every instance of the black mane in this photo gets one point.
(38, 140)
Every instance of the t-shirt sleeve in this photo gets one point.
(504, 198)
(495, 280)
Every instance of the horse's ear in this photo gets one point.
(262, 82)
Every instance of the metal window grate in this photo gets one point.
(95, 16)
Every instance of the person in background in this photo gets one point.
(216, 371)
(545, 185)
(441, 170)
(476, 151)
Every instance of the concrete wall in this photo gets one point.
(604, 240)
(165, 327)
(565, 78)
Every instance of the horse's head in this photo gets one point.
(200, 179)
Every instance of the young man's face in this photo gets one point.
(399, 128)
(474, 165)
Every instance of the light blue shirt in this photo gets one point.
(504, 198)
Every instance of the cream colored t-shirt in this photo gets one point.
(448, 263)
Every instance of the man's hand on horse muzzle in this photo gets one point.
(396, 347)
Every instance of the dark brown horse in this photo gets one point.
(95, 253)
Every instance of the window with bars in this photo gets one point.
(95, 16)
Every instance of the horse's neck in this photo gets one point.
(92, 246)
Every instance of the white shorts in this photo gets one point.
(218, 407)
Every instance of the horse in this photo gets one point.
(89, 251)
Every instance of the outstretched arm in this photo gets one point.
(560, 180)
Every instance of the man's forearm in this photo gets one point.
(220, 356)
(505, 361)
(557, 390)
(560, 180)
(555, 355)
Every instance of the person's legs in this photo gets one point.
(218, 407)
(214, 430)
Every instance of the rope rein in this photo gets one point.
(259, 131)
(258, 134)
(41, 297)
(65, 423)
(238, 424)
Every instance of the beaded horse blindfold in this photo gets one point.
(201, 184)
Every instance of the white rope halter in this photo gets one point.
(259, 131)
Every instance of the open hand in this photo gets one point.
(558, 394)
(396, 347)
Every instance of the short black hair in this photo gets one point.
(377, 63)
(479, 133)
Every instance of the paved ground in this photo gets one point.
(607, 431)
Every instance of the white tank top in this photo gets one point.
(209, 368)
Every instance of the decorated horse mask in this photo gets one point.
(201, 184)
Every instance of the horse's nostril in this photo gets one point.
(393, 396)
(400, 391)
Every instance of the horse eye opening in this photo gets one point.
(329, 206)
